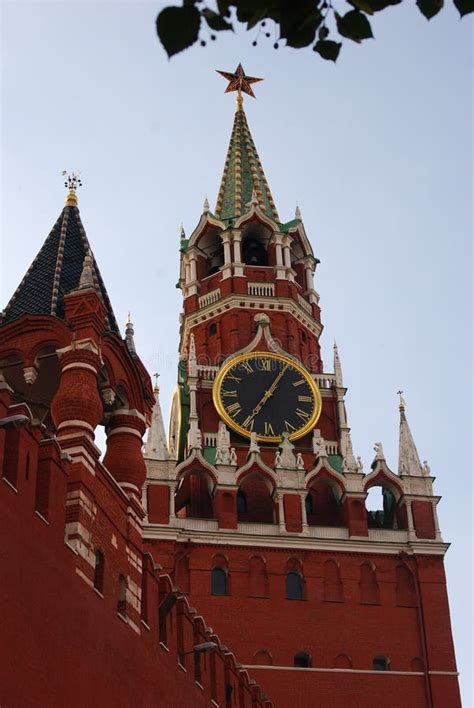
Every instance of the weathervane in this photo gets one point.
(402, 401)
(240, 82)
(72, 181)
(156, 388)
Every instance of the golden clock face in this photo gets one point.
(267, 394)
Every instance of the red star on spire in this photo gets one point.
(239, 81)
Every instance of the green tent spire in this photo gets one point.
(243, 178)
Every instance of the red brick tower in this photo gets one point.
(256, 506)
(88, 618)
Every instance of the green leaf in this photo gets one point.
(223, 7)
(299, 22)
(464, 7)
(178, 28)
(429, 8)
(215, 21)
(371, 6)
(328, 49)
(354, 25)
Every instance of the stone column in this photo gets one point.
(304, 518)
(281, 512)
(227, 269)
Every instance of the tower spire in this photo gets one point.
(243, 173)
(408, 458)
(156, 447)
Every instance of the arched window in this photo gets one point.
(405, 587)
(254, 252)
(417, 664)
(302, 660)
(294, 586)
(262, 658)
(323, 507)
(241, 502)
(369, 587)
(218, 581)
(343, 661)
(332, 582)
(380, 663)
(99, 571)
(122, 596)
(212, 329)
(380, 505)
(258, 578)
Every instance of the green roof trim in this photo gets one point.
(284, 228)
(209, 454)
(336, 463)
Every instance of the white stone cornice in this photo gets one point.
(286, 541)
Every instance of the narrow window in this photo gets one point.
(99, 571)
(302, 660)
(309, 504)
(241, 502)
(212, 329)
(122, 596)
(380, 663)
(294, 586)
(218, 582)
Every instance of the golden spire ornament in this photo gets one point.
(71, 181)
(240, 82)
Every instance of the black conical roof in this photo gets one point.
(56, 271)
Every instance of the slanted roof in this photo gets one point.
(243, 173)
(55, 271)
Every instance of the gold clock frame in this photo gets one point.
(228, 420)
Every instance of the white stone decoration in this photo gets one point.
(87, 279)
(426, 469)
(129, 332)
(408, 458)
(192, 360)
(156, 447)
(194, 436)
(30, 374)
(360, 466)
(253, 444)
(299, 461)
(319, 445)
(285, 457)
(379, 453)
(233, 457)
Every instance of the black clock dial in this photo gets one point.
(267, 394)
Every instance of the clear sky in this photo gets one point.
(376, 151)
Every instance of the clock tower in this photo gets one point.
(255, 503)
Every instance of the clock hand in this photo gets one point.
(268, 393)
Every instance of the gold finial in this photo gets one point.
(240, 82)
(156, 388)
(72, 182)
(401, 404)
(128, 321)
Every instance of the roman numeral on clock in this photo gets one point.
(304, 399)
(231, 394)
(248, 423)
(268, 429)
(234, 408)
(247, 367)
(289, 428)
(234, 378)
(300, 382)
(302, 414)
